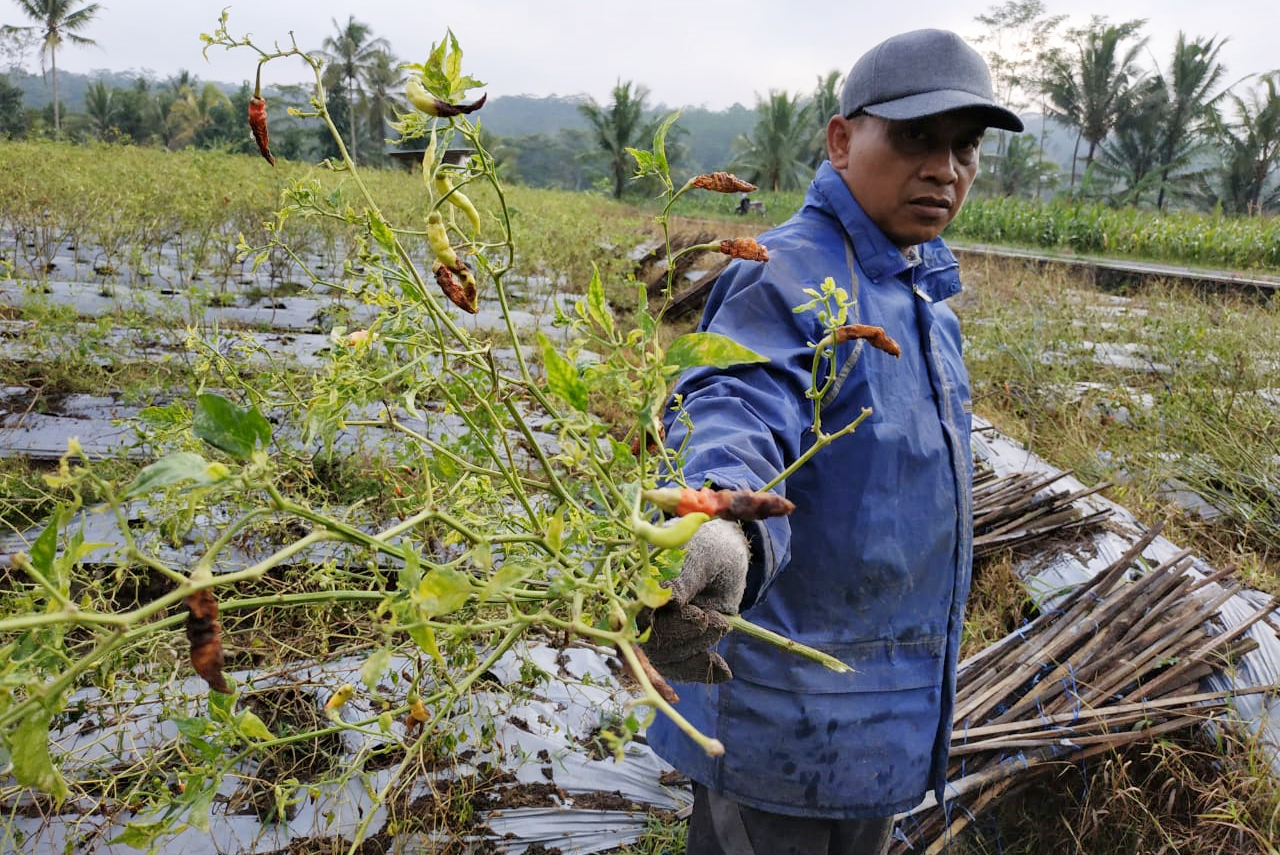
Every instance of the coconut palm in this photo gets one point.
(351, 52)
(192, 113)
(619, 126)
(102, 108)
(1247, 182)
(774, 155)
(1092, 83)
(56, 22)
(1194, 75)
(825, 104)
(1131, 159)
(383, 78)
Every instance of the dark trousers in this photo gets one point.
(719, 826)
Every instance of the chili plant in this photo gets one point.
(518, 510)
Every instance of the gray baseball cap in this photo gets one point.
(923, 73)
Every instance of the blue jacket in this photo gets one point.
(874, 564)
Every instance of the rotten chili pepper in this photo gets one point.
(733, 505)
(258, 120)
(462, 294)
(874, 336)
(745, 248)
(204, 634)
(426, 102)
(722, 182)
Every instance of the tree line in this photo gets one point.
(1174, 134)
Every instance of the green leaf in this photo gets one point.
(254, 727)
(441, 592)
(140, 835)
(45, 547)
(201, 801)
(597, 305)
(222, 703)
(229, 428)
(176, 468)
(507, 575)
(694, 349)
(562, 378)
(381, 232)
(29, 752)
(644, 320)
(169, 416)
(378, 663)
(660, 144)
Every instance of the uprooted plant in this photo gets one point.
(518, 510)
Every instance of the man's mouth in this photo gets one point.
(940, 202)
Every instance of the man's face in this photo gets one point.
(910, 176)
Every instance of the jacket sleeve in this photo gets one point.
(740, 426)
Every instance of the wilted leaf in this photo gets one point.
(694, 349)
(254, 727)
(507, 575)
(652, 594)
(378, 663)
(441, 592)
(29, 752)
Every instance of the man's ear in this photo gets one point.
(839, 131)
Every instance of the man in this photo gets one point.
(873, 566)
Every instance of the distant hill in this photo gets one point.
(707, 135)
(37, 91)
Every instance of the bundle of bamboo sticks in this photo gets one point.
(1118, 660)
(1018, 509)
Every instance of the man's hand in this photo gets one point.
(710, 586)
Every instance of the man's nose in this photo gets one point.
(940, 165)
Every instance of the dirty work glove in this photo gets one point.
(710, 586)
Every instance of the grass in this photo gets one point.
(1157, 388)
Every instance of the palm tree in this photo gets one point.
(619, 126)
(1252, 150)
(192, 113)
(1194, 73)
(102, 108)
(1090, 85)
(56, 22)
(825, 104)
(383, 78)
(775, 154)
(1132, 157)
(351, 53)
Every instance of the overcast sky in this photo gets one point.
(711, 53)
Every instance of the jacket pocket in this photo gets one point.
(878, 666)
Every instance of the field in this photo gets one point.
(280, 421)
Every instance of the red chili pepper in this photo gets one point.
(258, 120)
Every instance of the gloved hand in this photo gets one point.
(710, 586)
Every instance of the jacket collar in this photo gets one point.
(938, 271)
